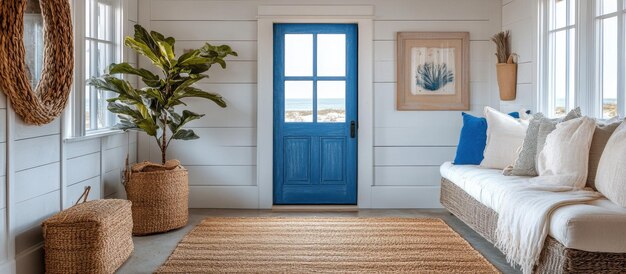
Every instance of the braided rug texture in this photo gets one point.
(305, 245)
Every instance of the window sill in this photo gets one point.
(93, 135)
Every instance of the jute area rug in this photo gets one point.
(306, 245)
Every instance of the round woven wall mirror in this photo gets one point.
(36, 57)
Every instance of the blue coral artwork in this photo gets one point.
(433, 71)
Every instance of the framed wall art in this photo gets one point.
(432, 71)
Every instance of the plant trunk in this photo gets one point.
(164, 142)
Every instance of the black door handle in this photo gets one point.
(352, 129)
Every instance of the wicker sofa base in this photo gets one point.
(555, 258)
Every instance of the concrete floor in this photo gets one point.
(152, 251)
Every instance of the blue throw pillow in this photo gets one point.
(516, 114)
(472, 141)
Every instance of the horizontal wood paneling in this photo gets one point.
(246, 50)
(113, 183)
(75, 149)
(3, 158)
(208, 30)
(3, 193)
(34, 182)
(413, 156)
(197, 154)
(241, 110)
(405, 197)
(479, 30)
(74, 191)
(222, 175)
(82, 168)
(223, 197)
(405, 136)
(226, 136)
(32, 212)
(3, 230)
(36, 152)
(407, 175)
(235, 72)
(479, 51)
(438, 10)
(3, 125)
(24, 131)
(114, 158)
(388, 116)
(517, 11)
(202, 10)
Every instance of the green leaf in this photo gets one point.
(185, 134)
(154, 93)
(126, 68)
(198, 93)
(144, 50)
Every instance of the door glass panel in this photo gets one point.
(331, 55)
(298, 54)
(331, 101)
(298, 101)
(609, 66)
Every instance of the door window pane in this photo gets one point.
(298, 54)
(331, 101)
(298, 101)
(609, 66)
(331, 55)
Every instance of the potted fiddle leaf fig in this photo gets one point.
(159, 191)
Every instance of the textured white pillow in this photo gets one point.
(611, 176)
(505, 136)
(565, 156)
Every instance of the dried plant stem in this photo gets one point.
(503, 45)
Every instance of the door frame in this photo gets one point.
(361, 15)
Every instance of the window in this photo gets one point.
(610, 25)
(582, 45)
(98, 44)
(561, 61)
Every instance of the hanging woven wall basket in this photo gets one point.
(47, 101)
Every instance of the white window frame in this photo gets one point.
(587, 92)
(75, 114)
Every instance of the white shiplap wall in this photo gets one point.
(520, 17)
(47, 174)
(408, 146)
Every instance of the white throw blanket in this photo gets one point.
(524, 216)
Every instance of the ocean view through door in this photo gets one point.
(315, 114)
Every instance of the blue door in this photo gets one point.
(315, 114)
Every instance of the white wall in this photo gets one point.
(520, 17)
(408, 147)
(41, 174)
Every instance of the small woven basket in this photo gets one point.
(91, 237)
(160, 195)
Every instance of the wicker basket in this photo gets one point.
(92, 237)
(160, 197)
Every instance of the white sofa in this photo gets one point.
(583, 238)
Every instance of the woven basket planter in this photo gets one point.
(159, 196)
(507, 81)
(92, 237)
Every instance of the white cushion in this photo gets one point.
(599, 226)
(611, 175)
(505, 135)
(565, 157)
